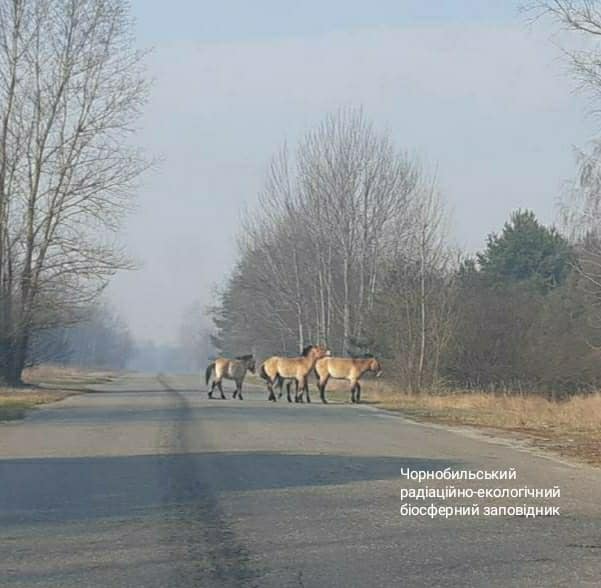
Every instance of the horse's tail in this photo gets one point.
(209, 371)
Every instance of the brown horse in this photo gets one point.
(230, 369)
(275, 370)
(345, 368)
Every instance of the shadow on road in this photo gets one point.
(92, 487)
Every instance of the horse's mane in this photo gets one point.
(307, 349)
(245, 357)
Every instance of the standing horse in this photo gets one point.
(275, 370)
(345, 368)
(230, 369)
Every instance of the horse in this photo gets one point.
(345, 368)
(230, 369)
(276, 369)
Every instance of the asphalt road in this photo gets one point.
(149, 484)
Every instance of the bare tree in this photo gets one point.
(71, 88)
(581, 210)
(277, 239)
(311, 253)
(353, 184)
(413, 316)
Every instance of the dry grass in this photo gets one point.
(571, 427)
(43, 384)
(56, 375)
(14, 402)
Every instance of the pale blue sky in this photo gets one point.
(467, 86)
(244, 20)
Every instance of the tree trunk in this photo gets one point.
(14, 355)
(298, 303)
(422, 296)
(346, 311)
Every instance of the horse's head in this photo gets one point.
(320, 351)
(308, 350)
(375, 366)
(249, 361)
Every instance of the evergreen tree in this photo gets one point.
(526, 251)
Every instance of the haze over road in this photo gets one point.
(150, 484)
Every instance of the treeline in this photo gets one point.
(526, 314)
(101, 340)
(348, 247)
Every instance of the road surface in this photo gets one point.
(149, 484)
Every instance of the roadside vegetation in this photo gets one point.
(47, 383)
(570, 428)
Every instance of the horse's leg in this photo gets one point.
(297, 397)
(301, 384)
(358, 393)
(270, 390)
(322, 393)
(238, 389)
(221, 390)
(306, 386)
(322, 389)
(280, 386)
(211, 390)
(288, 386)
(353, 387)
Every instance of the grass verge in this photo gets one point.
(571, 428)
(44, 384)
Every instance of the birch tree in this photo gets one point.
(353, 184)
(311, 251)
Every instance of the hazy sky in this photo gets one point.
(467, 86)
